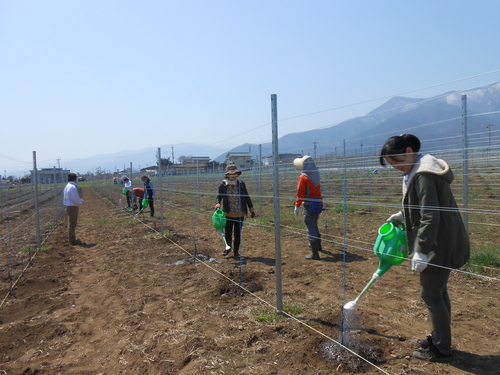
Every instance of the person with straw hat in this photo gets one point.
(235, 200)
(309, 196)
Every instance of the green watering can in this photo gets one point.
(145, 203)
(391, 247)
(219, 223)
(124, 191)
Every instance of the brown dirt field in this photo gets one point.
(118, 304)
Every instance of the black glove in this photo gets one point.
(252, 214)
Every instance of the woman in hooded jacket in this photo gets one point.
(309, 196)
(437, 238)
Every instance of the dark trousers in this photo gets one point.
(233, 226)
(151, 206)
(311, 221)
(128, 199)
(434, 292)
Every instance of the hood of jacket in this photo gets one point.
(311, 171)
(430, 164)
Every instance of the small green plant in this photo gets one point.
(154, 236)
(27, 250)
(268, 314)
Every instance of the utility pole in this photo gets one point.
(315, 145)
(489, 141)
(361, 154)
(173, 160)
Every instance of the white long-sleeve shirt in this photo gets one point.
(71, 196)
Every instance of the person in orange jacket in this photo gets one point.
(309, 196)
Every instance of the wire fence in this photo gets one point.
(368, 187)
(349, 184)
(28, 216)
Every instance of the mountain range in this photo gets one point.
(435, 118)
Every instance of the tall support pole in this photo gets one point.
(465, 162)
(276, 197)
(55, 196)
(344, 273)
(260, 182)
(161, 192)
(35, 198)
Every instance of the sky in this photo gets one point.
(92, 77)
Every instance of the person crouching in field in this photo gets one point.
(138, 193)
(437, 238)
(309, 195)
(233, 196)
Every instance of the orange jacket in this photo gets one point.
(306, 189)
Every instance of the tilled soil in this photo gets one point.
(129, 301)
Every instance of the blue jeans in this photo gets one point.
(434, 292)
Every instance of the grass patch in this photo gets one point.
(483, 258)
(339, 208)
(268, 314)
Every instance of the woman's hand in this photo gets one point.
(398, 217)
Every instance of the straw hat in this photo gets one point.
(232, 169)
(299, 162)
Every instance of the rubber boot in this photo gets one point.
(315, 246)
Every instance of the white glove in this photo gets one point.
(296, 210)
(398, 217)
(419, 262)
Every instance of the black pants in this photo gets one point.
(151, 206)
(434, 292)
(129, 198)
(233, 226)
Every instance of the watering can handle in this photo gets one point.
(397, 223)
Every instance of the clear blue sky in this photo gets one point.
(89, 77)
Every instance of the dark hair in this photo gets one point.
(397, 145)
(72, 177)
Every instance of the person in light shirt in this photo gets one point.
(128, 186)
(72, 201)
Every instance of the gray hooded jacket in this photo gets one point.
(433, 221)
